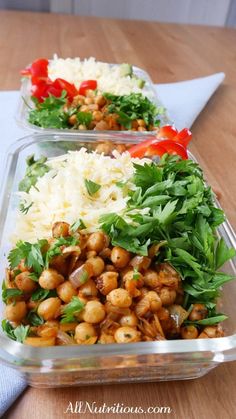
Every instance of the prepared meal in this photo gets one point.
(89, 95)
(115, 245)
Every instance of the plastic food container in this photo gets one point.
(113, 363)
(23, 109)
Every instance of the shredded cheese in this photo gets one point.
(61, 194)
(109, 79)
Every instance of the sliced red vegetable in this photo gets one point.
(183, 137)
(39, 68)
(138, 150)
(87, 85)
(168, 131)
(167, 146)
(61, 84)
(40, 91)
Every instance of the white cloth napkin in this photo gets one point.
(183, 101)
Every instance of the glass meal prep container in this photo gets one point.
(111, 363)
(22, 112)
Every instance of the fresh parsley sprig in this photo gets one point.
(71, 309)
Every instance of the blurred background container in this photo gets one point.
(204, 12)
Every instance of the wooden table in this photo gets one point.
(169, 53)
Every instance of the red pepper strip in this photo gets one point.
(183, 137)
(39, 68)
(87, 85)
(168, 131)
(169, 146)
(40, 91)
(139, 150)
(61, 84)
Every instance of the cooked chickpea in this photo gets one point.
(120, 257)
(110, 268)
(60, 229)
(91, 254)
(82, 127)
(102, 126)
(150, 302)
(66, 291)
(84, 331)
(97, 265)
(141, 122)
(72, 120)
(151, 279)
(140, 262)
(88, 289)
(96, 241)
(189, 332)
(48, 329)
(15, 312)
(105, 338)
(105, 253)
(167, 296)
(94, 312)
(142, 129)
(50, 279)
(198, 312)
(88, 101)
(212, 332)
(120, 298)
(93, 107)
(24, 282)
(49, 309)
(107, 282)
(97, 115)
(100, 101)
(105, 148)
(129, 320)
(127, 334)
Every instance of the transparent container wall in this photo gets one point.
(116, 363)
(23, 108)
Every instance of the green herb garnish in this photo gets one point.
(181, 214)
(71, 309)
(91, 187)
(77, 225)
(35, 169)
(19, 334)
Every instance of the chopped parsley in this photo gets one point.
(71, 309)
(91, 186)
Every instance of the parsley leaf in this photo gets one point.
(25, 208)
(19, 334)
(77, 225)
(31, 253)
(35, 169)
(84, 118)
(34, 319)
(71, 309)
(91, 187)
(9, 292)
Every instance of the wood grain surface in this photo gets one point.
(168, 53)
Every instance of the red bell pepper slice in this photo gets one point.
(183, 137)
(61, 84)
(139, 150)
(87, 85)
(168, 131)
(39, 68)
(169, 146)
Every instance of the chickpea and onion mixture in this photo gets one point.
(139, 276)
(93, 292)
